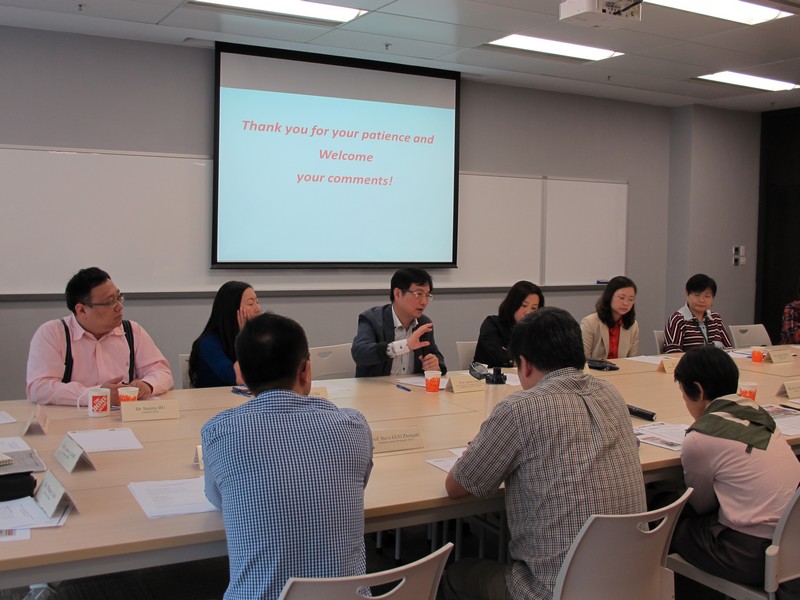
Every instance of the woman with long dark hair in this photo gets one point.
(612, 331)
(213, 357)
(492, 349)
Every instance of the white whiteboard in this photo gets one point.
(128, 214)
(499, 229)
(585, 231)
(147, 221)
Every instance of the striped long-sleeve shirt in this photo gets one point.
(683, 331)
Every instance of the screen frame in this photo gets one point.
(370, 65)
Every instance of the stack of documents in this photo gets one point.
(663, 435)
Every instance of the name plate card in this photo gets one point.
(320, 392)
(38, 422)
(69, 455)
(780, 356)
(198, 458)
(668, 365)
(790, 388)
(51, 495)
(401, 438)
(464, 383)
(150, 410)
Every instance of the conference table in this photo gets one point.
(109, 532)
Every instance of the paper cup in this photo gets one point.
(432, 380)
(757, 353)
(98, 401)
(748, 389)
(128, 394)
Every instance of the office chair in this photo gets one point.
(183, 361)
(659, 335)
(416, 581)
(744, 336)
(621, 557)
(466, 352)
(332, 362)
(782, 562)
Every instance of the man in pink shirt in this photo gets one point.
(98, 350)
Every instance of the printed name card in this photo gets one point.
(790, 388)
(150, 410)
(51, 495)
(319, 391)
(464, 383)
(780, 356)
(69, 455)
(401, 438)
(198, 458)
(38, 422)
(668, 365)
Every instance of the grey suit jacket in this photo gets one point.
(375, 332)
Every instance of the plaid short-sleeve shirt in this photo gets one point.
(565, 450)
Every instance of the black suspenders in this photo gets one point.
(126, 326)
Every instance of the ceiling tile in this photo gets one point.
(662, 54)
(410, 28)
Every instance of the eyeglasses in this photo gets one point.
(630, 299)
(120, 299)
(420, 295)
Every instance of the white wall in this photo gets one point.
(77, 91)
(714, 206)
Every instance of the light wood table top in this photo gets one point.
(110, 532)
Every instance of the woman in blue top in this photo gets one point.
(212, 362)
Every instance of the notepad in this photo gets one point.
(5, 459)
(22, 461)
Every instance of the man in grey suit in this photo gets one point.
(396, 338)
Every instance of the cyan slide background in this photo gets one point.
(266, 215)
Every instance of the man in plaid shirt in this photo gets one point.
(565, 449)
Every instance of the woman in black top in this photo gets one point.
(523, 297)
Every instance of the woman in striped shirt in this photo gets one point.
(695, 324)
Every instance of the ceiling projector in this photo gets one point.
(601, 14)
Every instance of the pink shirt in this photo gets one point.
(94, 361)
(751, 488)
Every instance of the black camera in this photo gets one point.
(479, 371)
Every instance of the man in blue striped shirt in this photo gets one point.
(287, 470)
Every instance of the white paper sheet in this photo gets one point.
(21, 513)
(6, 418)
(14, 535)
(789, 425)
(332, 387)
(778, 412)
(106, 440)
(58, 518)
(171, 497)
(445, 464)
(419, 381)
(663, 435)
(13, 444)
(654, 360)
